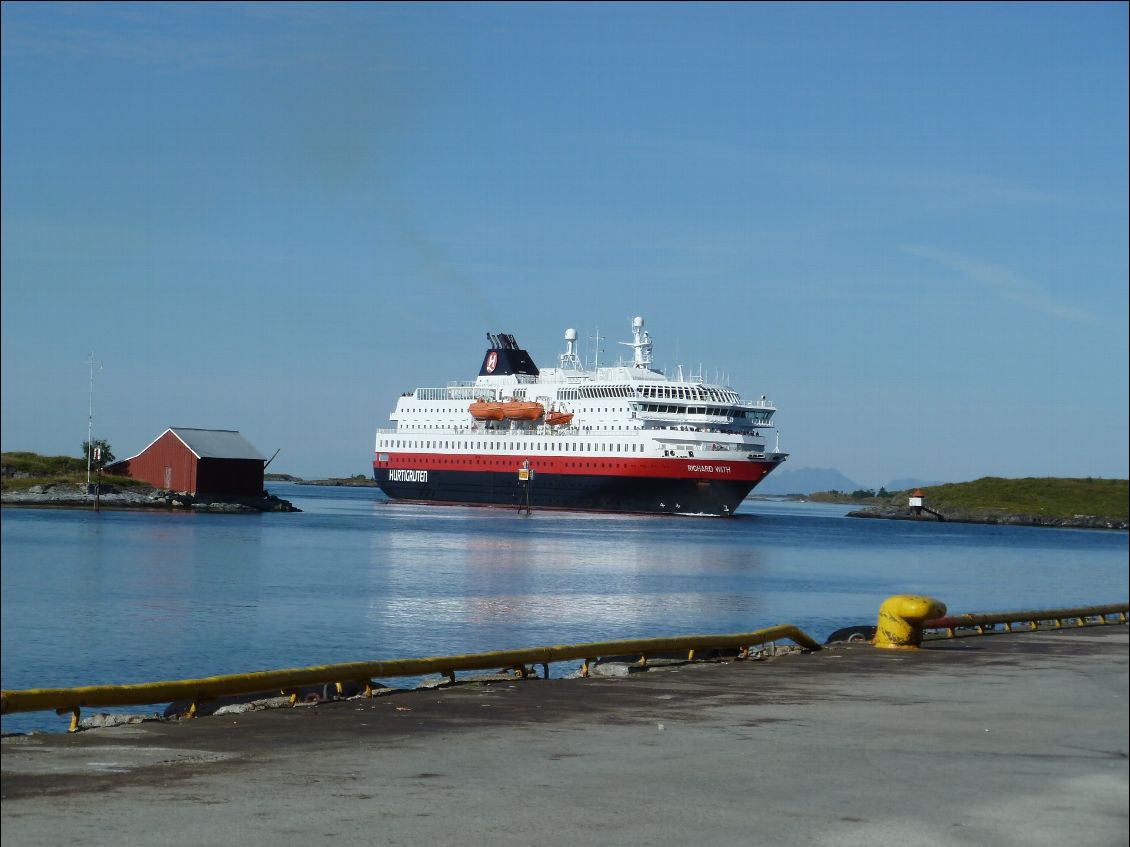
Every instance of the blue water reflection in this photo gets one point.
(124, 597)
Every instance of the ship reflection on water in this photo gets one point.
(569, 576)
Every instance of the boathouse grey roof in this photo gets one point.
(216, 443)
(208, 444)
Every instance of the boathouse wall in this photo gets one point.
(230, 476)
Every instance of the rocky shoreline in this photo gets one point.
(905, 513)
(64, 496)
(341, 483)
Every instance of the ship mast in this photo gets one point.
(640, 344)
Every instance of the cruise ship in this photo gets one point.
(623, 438)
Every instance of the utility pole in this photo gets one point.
(90, 420)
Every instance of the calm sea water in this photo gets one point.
(122, 597)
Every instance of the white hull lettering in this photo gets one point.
(708, 468)
(407, 476)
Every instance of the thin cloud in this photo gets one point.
(228, 35)
(1005, 282)
(941, 188)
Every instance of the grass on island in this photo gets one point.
(20, 471)
(1056, 497)
(1048, 496)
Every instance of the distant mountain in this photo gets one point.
(805, 481)
(908, 483)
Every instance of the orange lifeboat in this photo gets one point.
(559, 418)
(519, 410)
(483, 410)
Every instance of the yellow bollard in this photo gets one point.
(901, 618)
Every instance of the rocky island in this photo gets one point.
(355, 481)
(34, 481)
(110, 496)
(1087, 503)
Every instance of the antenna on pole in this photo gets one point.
(597, 338)
(90, 418)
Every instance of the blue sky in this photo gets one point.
(905, 224)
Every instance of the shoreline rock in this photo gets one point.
(64, 496)
(904, 513)
(341, 483)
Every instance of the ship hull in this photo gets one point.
(653, 494)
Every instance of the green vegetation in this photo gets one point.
(860, 495)
(1052, 497)
(99, 452)
(1047, 496)
(20, 471)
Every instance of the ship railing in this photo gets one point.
(557, 377)
(456, 392)
(555, 431)
(685, 429)
(483, 432)
(683, 416)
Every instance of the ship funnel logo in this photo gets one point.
(492, 362)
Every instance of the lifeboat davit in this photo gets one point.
(483, 410)
(559, 418)
(519, 410)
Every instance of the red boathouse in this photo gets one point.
(198, 461)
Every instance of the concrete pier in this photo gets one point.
(998, 740)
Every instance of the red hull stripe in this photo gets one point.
(665, 468)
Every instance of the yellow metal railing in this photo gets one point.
(288, 681)
(1052, 618)
(903, 622)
